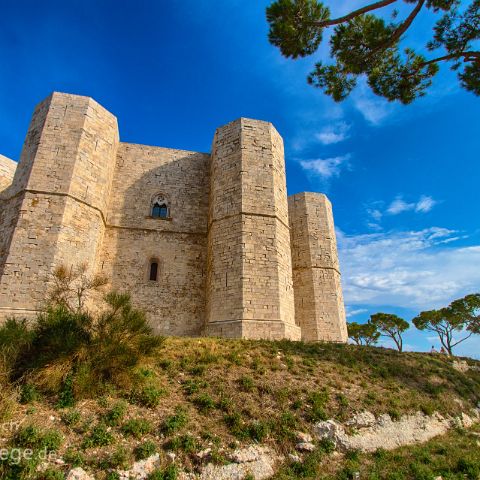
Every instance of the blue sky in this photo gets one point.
(403, 180)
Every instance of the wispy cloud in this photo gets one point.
(334, 133)
(373, 108)
(423, 205)
(351, 312)
(326, 168)
(411, 269)
(377, 210)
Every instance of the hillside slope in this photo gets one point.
(218, 394)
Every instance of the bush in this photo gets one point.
(116, 414)
(148, 396)
(29, 393)
(136, 427)
(175, 422)
(204, 402)
(169, 473)
(78, 355)
(36, 439)
(186, 443)
(144, 450)
(71, 417)
(99, 437)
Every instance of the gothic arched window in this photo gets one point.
(160, 208)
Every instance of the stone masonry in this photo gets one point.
(229, 255)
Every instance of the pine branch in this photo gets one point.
(354, 14)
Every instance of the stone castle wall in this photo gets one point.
(224, 251)
(249, 288)
(175, 303)
(7, 171)
(319, 304)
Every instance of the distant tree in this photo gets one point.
(363, 43)
(390, 325)
(363, 333)
(462, 315)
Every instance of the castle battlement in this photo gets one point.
(206, 244)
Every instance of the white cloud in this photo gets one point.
(424, 205)
(399, 206)
(411, 269)
(373, 108)
(356, 311)
(326, 167)
(334, 133)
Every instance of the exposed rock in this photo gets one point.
(305, 446)
(460, 366)
(255, 460)
(142, 469)
(79, 474)
(294, 458)
(385, 433)
(362, 419)
(203, 454)
(303, 437)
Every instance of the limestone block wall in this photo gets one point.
(55, 209)
(7, 171)
(249, 280)
(319, 303)
(175, 302)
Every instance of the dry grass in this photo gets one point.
(236, 392)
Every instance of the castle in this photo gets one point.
(206, 243)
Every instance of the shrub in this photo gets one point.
(246, 383)
(66, 398)
(186, 443)
(136, 427)
(36, 439)
(71, 417)
(50, 474)
(169, 473)
(317, 401)
(175, 422)
(79, 355)
(29, 393)
(204, 402)
(99, 437)
(74, 458)
(145, 450)
(116, 414)
(148, 396)
(117, 459)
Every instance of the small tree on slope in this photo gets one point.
(390, 325)
(363, 334)
(462, 315)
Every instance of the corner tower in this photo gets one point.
(319, 304)
(249, 272)
(54, 211)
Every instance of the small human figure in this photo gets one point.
(433, 350)
(442, 350)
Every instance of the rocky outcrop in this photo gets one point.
(372, 434)
(256, 461)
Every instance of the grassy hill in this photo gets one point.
(197, 393)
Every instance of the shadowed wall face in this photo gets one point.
(135, 239)
(319, 304)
